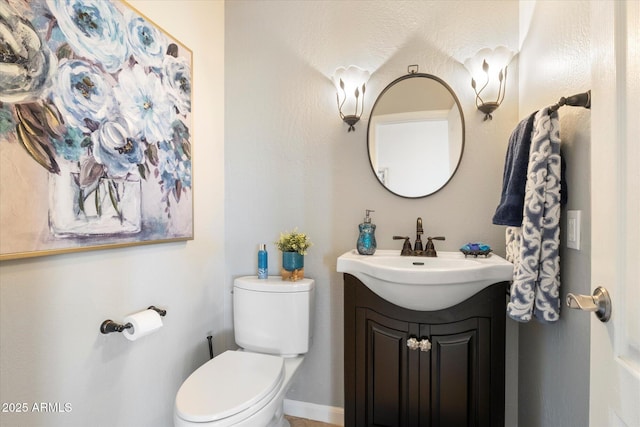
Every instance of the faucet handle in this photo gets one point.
(406, 247)
(430, 250)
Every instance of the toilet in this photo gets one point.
(273, 326)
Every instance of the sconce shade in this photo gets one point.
(350, 84)
(488, 69)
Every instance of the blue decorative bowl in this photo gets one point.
(475, 249)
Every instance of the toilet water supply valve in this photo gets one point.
(210, 339)
(423, 344)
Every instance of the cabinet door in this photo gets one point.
(383, 371)
(459, 370)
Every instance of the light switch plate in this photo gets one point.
(573, 229)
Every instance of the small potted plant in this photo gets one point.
(294, 247)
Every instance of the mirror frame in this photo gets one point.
(463, 133)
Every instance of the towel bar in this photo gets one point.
(578, 100)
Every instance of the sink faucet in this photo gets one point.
(417, 246)
(418, 250)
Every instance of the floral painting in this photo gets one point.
(95, 120)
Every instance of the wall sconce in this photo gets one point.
(350, 86)
(488, 69)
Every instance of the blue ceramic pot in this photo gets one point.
(292, 261)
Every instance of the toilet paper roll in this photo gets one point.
(143, 323)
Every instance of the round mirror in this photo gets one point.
(415, 136)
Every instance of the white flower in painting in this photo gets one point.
(26, 64)
(145, 104)
(177, 78)
(116, 149)
(83, 94)
(148, 44)
(95, 29)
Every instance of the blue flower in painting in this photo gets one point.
(84, 95)
(72, 145)
(175, 171)
(184, 173)
(167, 163)
(95, 29)
(148, 44)
(145, 104)
(177, 78)
(116, 149)
(26, 64)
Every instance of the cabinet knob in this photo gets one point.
(423, 344)
(413, 344)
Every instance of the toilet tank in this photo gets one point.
(272, 315)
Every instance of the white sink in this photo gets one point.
(425, 284)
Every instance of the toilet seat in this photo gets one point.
(235, 383)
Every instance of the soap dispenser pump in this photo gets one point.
(367, 238)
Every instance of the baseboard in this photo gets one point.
(312, 411)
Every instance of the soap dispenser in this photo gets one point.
(367, 238)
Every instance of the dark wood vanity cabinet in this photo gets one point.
(458, 382)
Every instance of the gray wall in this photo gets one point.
(553, 365)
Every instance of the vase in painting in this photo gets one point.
(112, 206)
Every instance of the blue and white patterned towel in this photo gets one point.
(534, 247)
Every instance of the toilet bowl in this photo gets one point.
(246, 387)
(236, 388)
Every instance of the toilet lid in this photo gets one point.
(227, 385)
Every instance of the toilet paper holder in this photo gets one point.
(109, 325)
